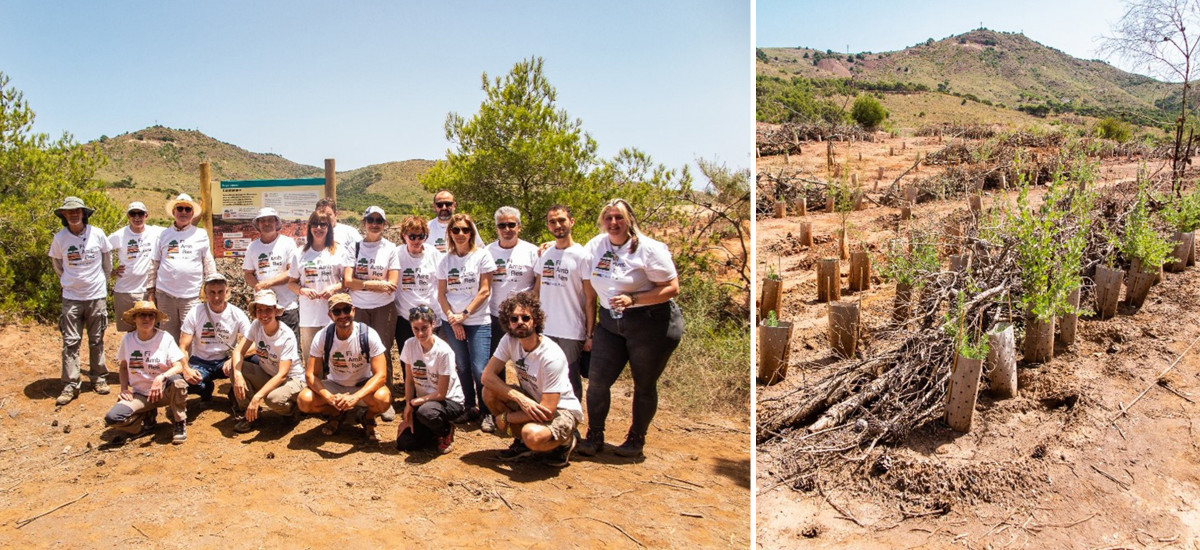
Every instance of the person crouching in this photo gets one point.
(270, 372)
(150, 365)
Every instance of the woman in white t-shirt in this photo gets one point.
(371, 279)
(417, 261)
(150, 365)
(464, 285)
(635, 280)
(315, 276)
(433, 394)
(270, 373)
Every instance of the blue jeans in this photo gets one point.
(470, 357)
(209, 370)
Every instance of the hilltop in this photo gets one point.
(157, 163)
(1004, 70)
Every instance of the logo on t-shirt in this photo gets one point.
(419, 369)
(261, 350)
(501, 269)
(407, 278)
(605, 263)
(136, 361)
(362, 269)
(440, 244)
(208, 332)
(173, 247)
(452, 277)
(264, 261)
(339, 361)
(548, 270)
(133, 247)
(73, 254)
(310, 271)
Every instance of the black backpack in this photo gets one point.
(331, 333)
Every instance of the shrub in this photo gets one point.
(1183, 214)
(910, 268)
(1116, 130)
(1050, 246)
(868, 112)
(1141, 241)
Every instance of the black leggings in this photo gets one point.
(644, 338)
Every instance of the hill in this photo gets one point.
(157, 163)
(1007, 70)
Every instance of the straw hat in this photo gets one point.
(142, 306)
(71, 203)
(184, 198)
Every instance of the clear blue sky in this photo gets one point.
(370, 82)
(1072, 26)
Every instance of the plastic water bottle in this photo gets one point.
(617, 312)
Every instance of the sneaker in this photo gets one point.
(592, 445)
(180, 433)
(516, 451)
(100, 385)
(68, 394)
(148, 425)
(242, 426)
(388, 415)
(469, 415)
(489, 425)
(562, 455)
(444, 442)
(632, 447)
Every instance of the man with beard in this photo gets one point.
(344, 235)
(560, 289)
(444, 205)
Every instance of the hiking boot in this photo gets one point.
(592, 445)
(148, 424)
(516, 451)
(388, 415)
(180, 433)
(242, 426)
(68, 394)
(488, 426)
(100, 386)
(445, 442)
(632, 447)
(562, 455)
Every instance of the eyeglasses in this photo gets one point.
(136, 214)
(339, 311)
(444, 204)
(373, 220)
(146, 314)
(460, 230)
(509, 225)
(417, 236)
(520, 318)
(321, 224)
(183, 209)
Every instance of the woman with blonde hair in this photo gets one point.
(464, 285)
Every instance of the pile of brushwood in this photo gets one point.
(951, 130)
(777, 139)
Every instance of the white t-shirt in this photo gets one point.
(147, 359)
(614, 270)
(180, 256)
(347, 364)
(428, 366)
(373, 262)
(543, 370)
(82, 262)
(268, 260)
(135, 251)
(346, 236)
(561, 291)
(270, 350)
(462, 274)
(438, 238)
(214, 334)
(516, 271)
(418, 279)
(317, 271)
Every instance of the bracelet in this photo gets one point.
(632, 298)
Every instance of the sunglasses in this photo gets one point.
(144, 315)
(183, 209)
(137, 214)
(321, 224)
(444, 204)
(460, 230)
(509, 225)
(519, 318)
(341, 310)
(419, 309)
(417, 236)
(373, 220)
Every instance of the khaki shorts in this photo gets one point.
(561, 426)
(334, 387)
(122, 301)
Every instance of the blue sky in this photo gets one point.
(370, 82)
(1072, 26)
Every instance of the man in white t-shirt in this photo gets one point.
(444, 206)
(134, 248)
(182, 260)
(516, 267)
(211, 338)
(350, 377)
(560, 289)
(542, 412)
(345, 235)
(80, 255)
(268, 262)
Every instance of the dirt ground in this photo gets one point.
(1047, 469)
(295, 487)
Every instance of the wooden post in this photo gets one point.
(1140, 281)
(854, 179)
(905, 211)
(860, 156)
(891, 151)
(802, 206)
(829, 201)
(910, 194)
(1066, 331)
(1185, 243)
(1002, 360)
(962, 392)
(843, 327)
(976, 203)
(860, 271)
(330, 179)
(880, 176)
(773, 352)
(806, 234)
(829, 280)
(829, 156)
(206, 199)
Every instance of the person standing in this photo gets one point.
(418, 262)
(315, 276)
(515, 267)
(267, 263)
(464, 284)
(433, 395)
(635, 280)
(211, 338)
(444, 207)
(80, 255)
(134, 246)
(150, 366)
(182, 260)
(345, 235)
(560, 289)
(371, 279)
(270, 372)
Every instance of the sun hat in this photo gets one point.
(215, 277)
(265, 212)
(182, 199)
(71, 203)
(142, 306)
(338, 299)
(375, 210)
(265, 297)
(136, 206)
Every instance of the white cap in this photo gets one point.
(136, 206)
(266, 212)
(375, 210)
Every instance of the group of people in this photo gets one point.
(324, 316)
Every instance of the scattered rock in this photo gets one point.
(1039, 451)
(373, 497)
(54, 424)
(269, 455)
(13, 414)
(101, 461)
(811, 531)
(67, 428)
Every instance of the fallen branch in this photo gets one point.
(1125, 409)
(614, 526)
(24, 522)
